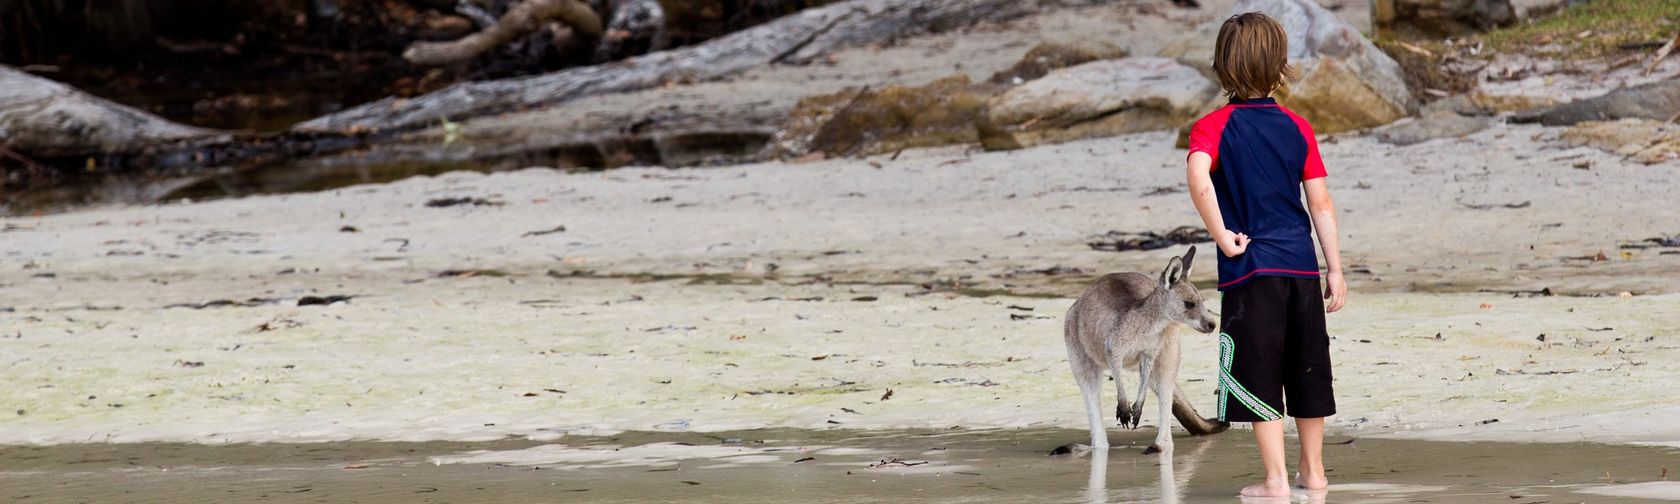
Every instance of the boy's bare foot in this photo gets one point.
(1269, 488)
(1312, 481)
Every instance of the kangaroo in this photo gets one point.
(1127, 321)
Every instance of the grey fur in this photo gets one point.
(1127, 321)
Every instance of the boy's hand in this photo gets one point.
(1232, 244)
(1335, 290)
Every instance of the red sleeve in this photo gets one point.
(1314, 165)
(1205, 134)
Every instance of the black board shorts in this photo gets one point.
(1273, 345)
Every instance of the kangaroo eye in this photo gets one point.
(1189, 305)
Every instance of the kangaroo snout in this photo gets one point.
(1205, 326)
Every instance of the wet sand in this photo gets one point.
(818, 466)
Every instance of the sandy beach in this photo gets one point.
(797, 295)
(822, 328)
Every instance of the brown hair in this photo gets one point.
(1251, 56)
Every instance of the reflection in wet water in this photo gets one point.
(816, 467)
(1174, 471)
(387, 163)
(1096, 491)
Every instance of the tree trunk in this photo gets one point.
(795, 39)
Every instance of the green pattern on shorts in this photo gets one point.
(1229, 387)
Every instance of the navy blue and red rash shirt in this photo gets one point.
(1261, 154)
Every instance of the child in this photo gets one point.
(1248, 162)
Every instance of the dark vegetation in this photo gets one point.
(263, 65)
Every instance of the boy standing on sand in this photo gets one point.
(1248, 162)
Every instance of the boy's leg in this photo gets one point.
(1307, 378)
(1253, 323)
(1311, 466)
(1269, 435)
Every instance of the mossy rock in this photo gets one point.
(1048, 56)
(888, 119)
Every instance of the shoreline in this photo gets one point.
(760, 466)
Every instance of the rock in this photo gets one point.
(1530, 9)
(1452, 117)
(806, 36)
(47, 118)
(1047, 56)
(873, 121)
(1100, 98)
(1414, 19)
(1657, 100)
(1512, 103)
(1195, 47)
(945, 111)
(1643, 140)
(1346, 81)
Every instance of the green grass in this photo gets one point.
(1611, 23)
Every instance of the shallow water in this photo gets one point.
(380, 164)
(820, 466)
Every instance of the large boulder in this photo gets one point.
(1346, 83)
(1100, 98)
(46, 118)
(1453, 117)
(1440, 18)
(1657, 100)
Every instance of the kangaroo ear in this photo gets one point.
(1188, 258)
(1173, 273)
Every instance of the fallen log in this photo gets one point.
(523, 18)
(796, 39)
(42, 117)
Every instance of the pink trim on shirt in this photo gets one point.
(1266, 270)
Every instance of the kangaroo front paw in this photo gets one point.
(1128, 418)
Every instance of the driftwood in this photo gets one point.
(795, 39)
(634, 27)
(46, 118)
(1662, 52)
(521, 19)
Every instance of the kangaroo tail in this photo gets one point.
(1193, 421)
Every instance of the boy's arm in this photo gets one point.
(1198, 170)
(1323, 212)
